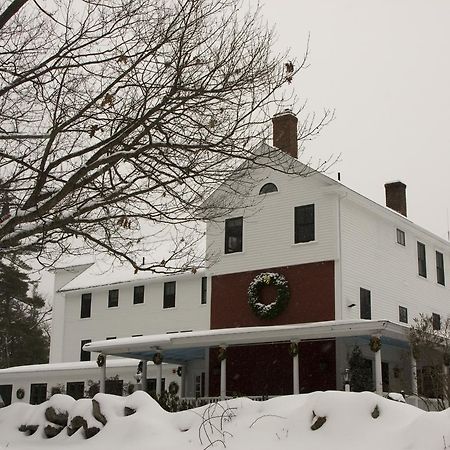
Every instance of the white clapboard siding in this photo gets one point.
(128, 319)
(268, 230)
(372, 259)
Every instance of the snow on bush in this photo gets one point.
(317, 421)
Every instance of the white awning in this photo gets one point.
(185, 346)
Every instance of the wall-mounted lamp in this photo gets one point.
(351, 305)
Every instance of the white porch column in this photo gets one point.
(159, 379)
(183, 382)
(295, 368)
(414, 388)
(223, 372)
(378, 373)
(413, 375)
(144, 375)
(102, 374)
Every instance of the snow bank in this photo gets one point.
(317, 421)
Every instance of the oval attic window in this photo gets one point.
(267, 188)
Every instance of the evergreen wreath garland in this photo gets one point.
(100, 360)
(274, 308)
(157, 359)
(375, 343)
(20, 393)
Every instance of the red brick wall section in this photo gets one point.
(312, 296)
(267, 369)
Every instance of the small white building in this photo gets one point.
(344, 257)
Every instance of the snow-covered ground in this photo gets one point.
(353, 421)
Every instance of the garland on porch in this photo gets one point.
(293, 349)
(375, 343)
(222, 354)
(100, 360)
(157, 358)
(274, 308)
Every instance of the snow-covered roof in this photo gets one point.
(184, 346)
(94, 277)
(79, 365)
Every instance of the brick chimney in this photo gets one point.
(285, 132)
(396, 196)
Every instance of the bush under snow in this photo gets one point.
(316, 421)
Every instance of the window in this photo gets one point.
(304, 224)
(84, 356)
(233, 235)
(169, 294)
(85, 306)
(204, 294)
(268, 188)
(75, 389)
(436, 319)
(365, 304)
(138, 295)
(114, 387)
(113, 298)
(440, 268)
(402, 314)
(38, 393)
(109, 338)
(421, 259)
(401, 237)
(136, 335)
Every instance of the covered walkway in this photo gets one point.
(180, 348)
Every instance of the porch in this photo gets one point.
(185, 348)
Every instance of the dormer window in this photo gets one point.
(268, 188)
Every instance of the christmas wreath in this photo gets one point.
(100, 360)
(20, 393)
(274, 308)
(375, 344)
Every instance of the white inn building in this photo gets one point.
(338, 270)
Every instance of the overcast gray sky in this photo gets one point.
(385, 67)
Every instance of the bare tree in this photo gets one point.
(120, 118)
(430, 345)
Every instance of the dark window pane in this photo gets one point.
(204, 294)
(440, 274)
(304, 224)
(38, 393)
(402, 314)
(75, 389)
(267, 188)
(421, 259)
(401, 237)
(114, 387)
(86, 305)
(113, 298)
(138, 295)
(5, 394)
(436, 318)
(84, 356)
(365, 304)
(109, 338)
(233, 235)
(169, 294)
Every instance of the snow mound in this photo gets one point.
(316, 421)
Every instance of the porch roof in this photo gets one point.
(185, 346)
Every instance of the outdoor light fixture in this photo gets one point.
(351, 305)
(347, 380)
